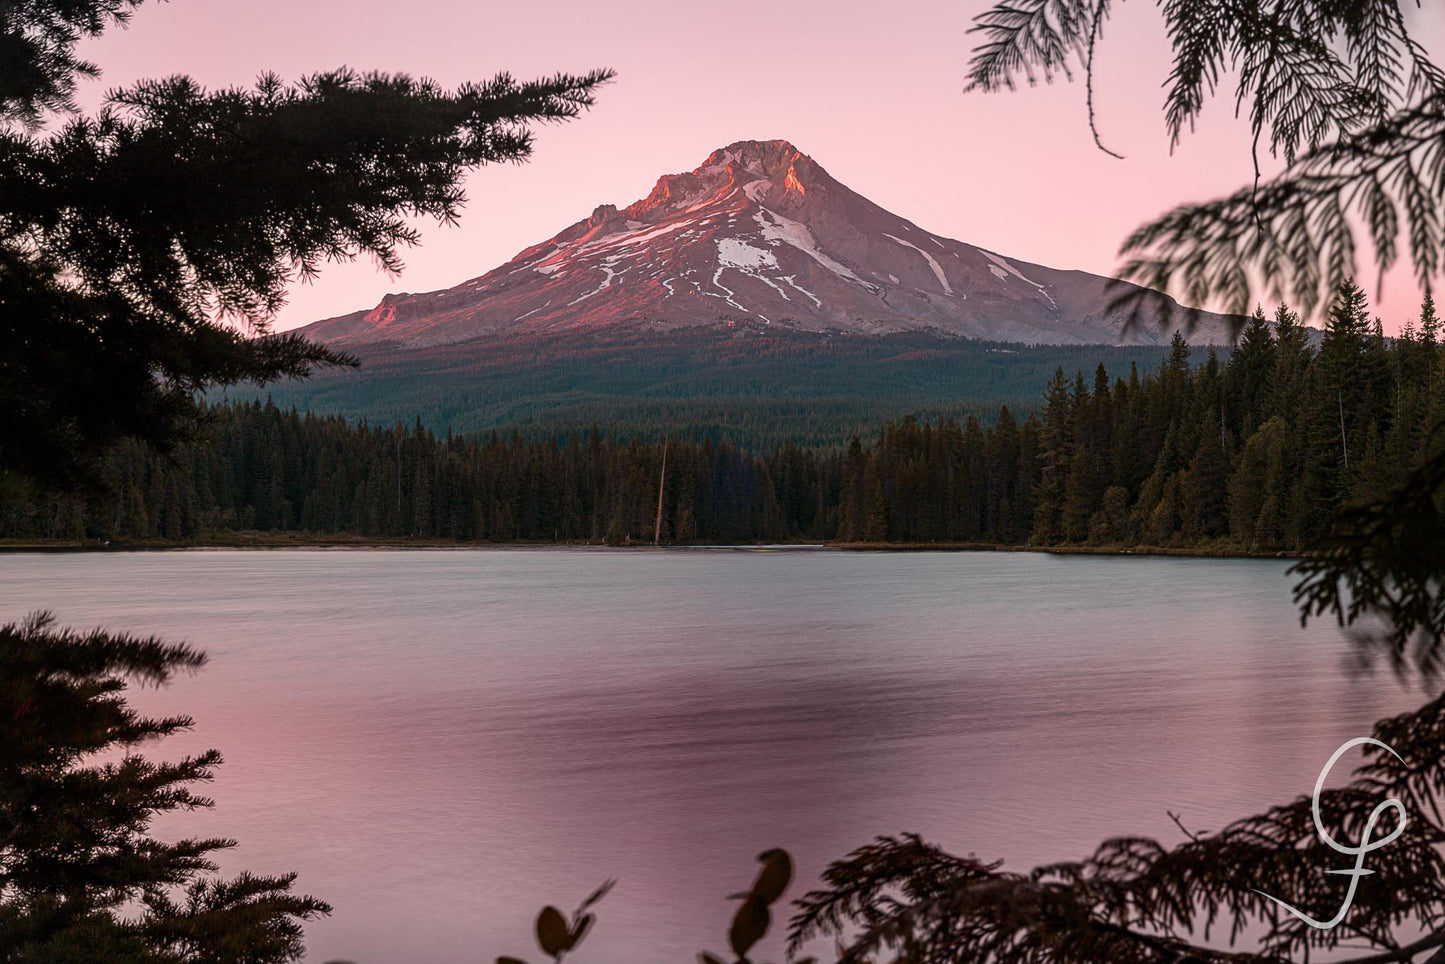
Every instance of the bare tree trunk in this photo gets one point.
(661, 483)
(1344, 442)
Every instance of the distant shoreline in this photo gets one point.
(261, 541)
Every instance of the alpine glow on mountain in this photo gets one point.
(760, 234)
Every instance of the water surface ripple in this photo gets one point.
(443, 741)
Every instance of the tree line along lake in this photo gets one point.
(1252, 451)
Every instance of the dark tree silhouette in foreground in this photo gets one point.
(1338, 89)
(80, 878)
(1136, 900)
(128, 243)
(1356, 108)
(143, 250)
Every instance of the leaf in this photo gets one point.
(510, 960)
(598, 894)
(749, 925)
(777, 872)
(552, 932)
(705, 958)
(584, 924)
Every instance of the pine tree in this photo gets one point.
(851, 505)
(1174, 377)
(1251, 368)
(1055, 458)
(1206, 487)
(876, 516)
(1293, 356)
(1434, 359)
(1346, 398)
(80, 878)
(1003, 495)
(118, 251)
(1081, 497)
(1116, 526)
(1258, 487)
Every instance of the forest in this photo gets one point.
(756, 385)
(1252, 451)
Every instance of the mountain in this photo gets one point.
(761, 234)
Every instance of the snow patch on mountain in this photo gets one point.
(728, 296)
(632, 239)
(937, 269)
(733, 253)
(795, 233)
(817, 302)
(551, 250)
(607, 266)
(1009, 269)
(739, 254)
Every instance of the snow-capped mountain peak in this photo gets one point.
(760, 233)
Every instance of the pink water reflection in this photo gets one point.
(442, 742)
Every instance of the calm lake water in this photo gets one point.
(441, 742)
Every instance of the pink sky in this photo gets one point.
(872, 92)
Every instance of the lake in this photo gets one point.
(443, 741)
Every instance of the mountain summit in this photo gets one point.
(759, 234)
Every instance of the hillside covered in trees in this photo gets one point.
(756, 385)
(1252, 451)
